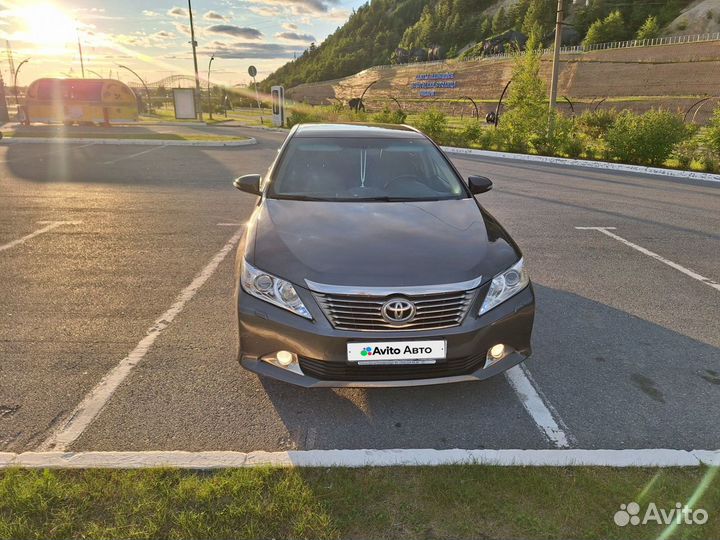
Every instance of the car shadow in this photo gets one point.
(614, 379)
(123, 164)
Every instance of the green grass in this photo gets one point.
(248, 116)
(414, 502)
(108, 135)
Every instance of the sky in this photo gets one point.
(153, 37)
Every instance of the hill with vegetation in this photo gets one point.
(393, 31)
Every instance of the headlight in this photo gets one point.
(272, 289)
(505, 285)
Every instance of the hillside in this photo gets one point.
(393, 31)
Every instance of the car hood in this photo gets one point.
(378, 244)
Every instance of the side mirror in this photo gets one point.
(250, 183)
(479, 184)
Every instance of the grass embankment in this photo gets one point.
(468, 501)
(247, 115)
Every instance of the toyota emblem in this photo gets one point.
(398, 311)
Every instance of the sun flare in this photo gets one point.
(45, 24)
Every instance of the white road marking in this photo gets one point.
(650, 457)
(676, 266)
(49, 227)
(229, 224)
(539, 408)
(133, 155)
(57, 150)
(90, 407)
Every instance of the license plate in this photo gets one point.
(397, 352)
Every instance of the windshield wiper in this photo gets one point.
(383, 198)
(299, 198)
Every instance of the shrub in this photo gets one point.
(559, 138)
(472, 131)
(433, 123)
(713, 131)
(595, 124)
(386, 116)
(302, 117)
(646, 139)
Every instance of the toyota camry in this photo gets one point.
(368, 261)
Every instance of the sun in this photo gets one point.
(45, 24)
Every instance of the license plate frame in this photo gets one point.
(397, 352)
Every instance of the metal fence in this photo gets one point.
(672, 40)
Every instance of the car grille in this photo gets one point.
(342, 371)
(355, 312)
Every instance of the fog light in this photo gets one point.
(497, 351)
(284, 358)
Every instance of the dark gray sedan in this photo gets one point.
(368, 262)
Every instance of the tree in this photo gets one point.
(526, 119)
(539, 17)
(499, 22)
(485, 27)
(611, 28)
(650, 29)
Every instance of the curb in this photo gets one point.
(141, 142)
(639, 169)
(651, 457)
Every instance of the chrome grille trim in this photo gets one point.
(382, 292)
(434, 310)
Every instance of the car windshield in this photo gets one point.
(368, 169)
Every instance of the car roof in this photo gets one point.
(350, 130)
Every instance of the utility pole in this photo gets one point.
(197, 75)
(82, 64)
(556, 56)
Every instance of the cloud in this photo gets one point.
(178, 12)
(150, 13)
(214, 16)
(140, 39)
(236, 31)
(294, 36)
(297, 7)
(182, 28)
(241, 50)
(290, 26)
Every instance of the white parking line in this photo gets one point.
(676, 266)
(540, 410)
(51, 225)
(648, 457)
(133, 155)
(90, 407)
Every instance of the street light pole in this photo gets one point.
(147, 91)
(210, 88)
(556, 56)
(82, 63)
(15, 78)
(194, 49)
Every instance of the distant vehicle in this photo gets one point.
(80, 101)
(369, 262)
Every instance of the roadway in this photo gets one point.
(98, 241)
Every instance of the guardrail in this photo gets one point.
(629, 44)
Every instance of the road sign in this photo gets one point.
(252, 71)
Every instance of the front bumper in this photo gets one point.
(265, 329)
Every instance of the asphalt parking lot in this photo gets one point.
(98, 241)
